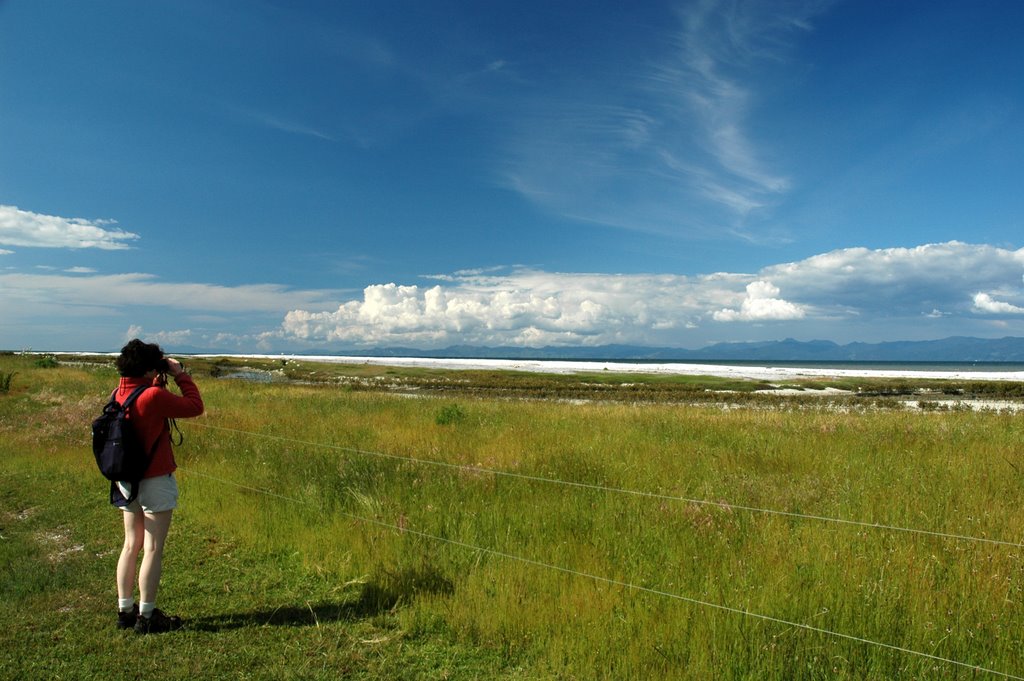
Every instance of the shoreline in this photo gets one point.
(764, 373)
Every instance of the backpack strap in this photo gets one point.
(128, 401)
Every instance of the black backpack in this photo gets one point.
(119, 452)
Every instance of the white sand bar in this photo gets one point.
(764, 373)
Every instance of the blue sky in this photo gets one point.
(268, 176)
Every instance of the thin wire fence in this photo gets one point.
(619, 583)
(618, 490)
(404, 529)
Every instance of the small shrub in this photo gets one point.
(5, 381)
(450, 414)
(47, 362)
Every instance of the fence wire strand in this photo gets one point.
(622, 584)
(618, 490)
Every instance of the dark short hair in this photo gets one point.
(138, 358)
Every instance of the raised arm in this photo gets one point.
(188, 404)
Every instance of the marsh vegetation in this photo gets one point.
(524, 526)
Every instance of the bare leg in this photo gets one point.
(156, 527)
(134, 532)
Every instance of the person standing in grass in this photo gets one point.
(148, 517)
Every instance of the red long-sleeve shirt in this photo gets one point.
(150, 412)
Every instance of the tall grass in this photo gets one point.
(348, 494)
(952, 473)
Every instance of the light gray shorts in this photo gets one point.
(155, 494)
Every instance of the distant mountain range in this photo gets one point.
(954, 349)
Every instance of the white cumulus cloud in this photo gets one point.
(523, 308)
(25, 228)
(985, 303)
(848, 291)
(933, 290)
(761, 304)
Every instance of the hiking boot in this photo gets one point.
(126, 618)
(157, 623)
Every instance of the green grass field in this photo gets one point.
(367, 523)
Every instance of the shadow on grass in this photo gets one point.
(374, 598)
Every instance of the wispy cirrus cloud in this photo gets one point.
(136, 289)
(36, 230)
(669, 148)
(711, 82)
(283, 124)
